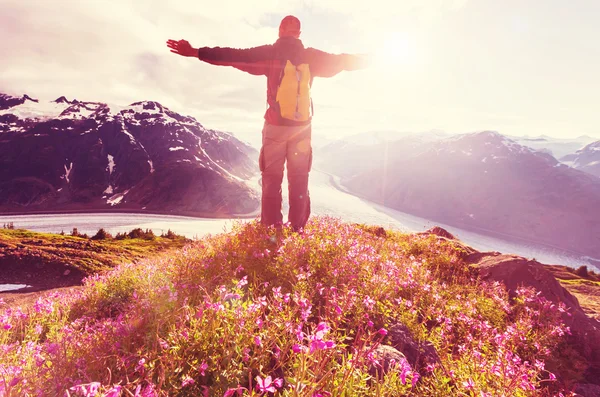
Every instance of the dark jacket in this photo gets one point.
(268, 60)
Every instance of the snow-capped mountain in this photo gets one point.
(368, 151)
(487, 182)
(73, 155)
(586, 159)
(555, 146)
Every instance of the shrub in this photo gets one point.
(102, 235)
(582, 271)
(148, 234)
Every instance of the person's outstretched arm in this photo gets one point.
(252, 60)
(323, 64)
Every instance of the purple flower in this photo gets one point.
(469, 384)
(87, 390)
(268, 385)
(233, 391)
(382, 331)
(114, 392)
(187, 381)
(203, 368)
(242, 282)
(140, 365)
(231, 296)
(298, 348)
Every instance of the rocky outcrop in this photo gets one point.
(418, 355)
(515, 272)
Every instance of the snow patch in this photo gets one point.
(108, 190)
(111, 164)
(36, 110)
(151, 166)
(131, 138)
(174, 149)
(67, 172)
(117, 198)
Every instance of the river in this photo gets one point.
(327, 198)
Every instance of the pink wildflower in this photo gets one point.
(187, 381)
(268, 385)
(203, 368)
(114, 392)
(141, 364)
(242, 282)
(469, 384)
(233, 391)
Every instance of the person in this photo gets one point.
(290, 69)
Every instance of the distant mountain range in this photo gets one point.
(68, 155)
(557, 147)
(586, 159)
(481, 181)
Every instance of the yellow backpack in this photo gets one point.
(293, 94)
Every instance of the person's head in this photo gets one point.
(289, 27)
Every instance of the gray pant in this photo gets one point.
(281, 143)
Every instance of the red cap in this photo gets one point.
(290, 26)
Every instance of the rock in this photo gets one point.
(418, 355)
(440, 232)
(384, 355)
(587, 390)
(514, 272)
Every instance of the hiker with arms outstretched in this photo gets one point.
(290, 69)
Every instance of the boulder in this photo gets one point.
(418, 355)
(514, 272)
(383, 356)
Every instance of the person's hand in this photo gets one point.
(182, 47)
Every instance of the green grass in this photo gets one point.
(80, 253)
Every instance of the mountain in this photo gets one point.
(489, 183)
(555, 146)
(586, 159)
(353, 155)
(68, 155)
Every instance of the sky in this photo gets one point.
(520, 67)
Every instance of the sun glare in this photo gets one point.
(397, 49)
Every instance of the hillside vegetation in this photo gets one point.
(259, 312)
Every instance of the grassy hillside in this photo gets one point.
(81, 253)
(254, 312)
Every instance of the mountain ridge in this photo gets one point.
(487, 181)
(72, 155)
